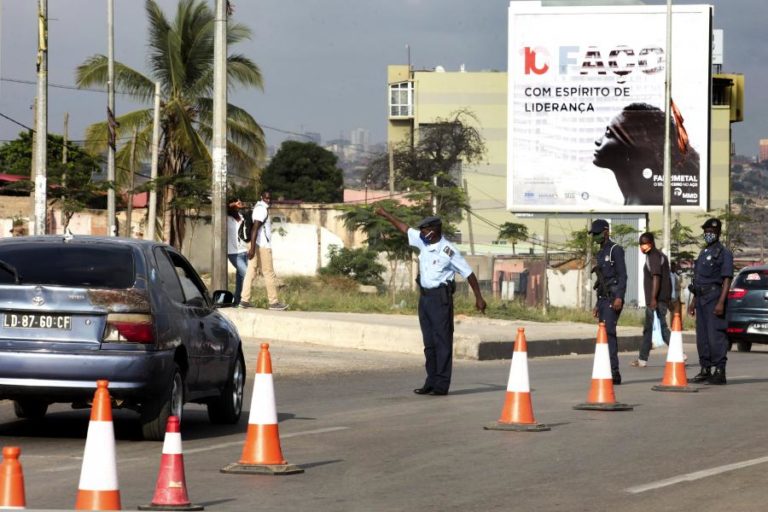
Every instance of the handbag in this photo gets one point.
(657, 338)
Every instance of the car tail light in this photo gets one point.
(735, 330)
(131, 328)
(737, 293)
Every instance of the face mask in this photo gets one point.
(710, 238)
(597, 238)
(645, 248)
(424, 237)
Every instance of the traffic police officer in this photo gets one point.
(712, 274)
(439, 261)
(611, 286)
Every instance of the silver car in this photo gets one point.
(74, 310)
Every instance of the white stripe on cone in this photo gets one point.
(99, 471)
(263, 408)
(172, 443)
(601, 369)
(518, 373)
(675, 353)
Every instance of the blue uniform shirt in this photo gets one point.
(714, 264)
(610, 259)
(438, 262)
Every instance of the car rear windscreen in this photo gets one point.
(61, 264)
(752, 280)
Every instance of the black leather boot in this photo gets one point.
(718, 378)
(703, 376)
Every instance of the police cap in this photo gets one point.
(712, 223)
(429, 222)
(598, 226)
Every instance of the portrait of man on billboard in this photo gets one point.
(632, 146)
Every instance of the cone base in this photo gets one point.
(678, 389)
(517, 427)
(188, 506)
(261, 469)
(603, 407)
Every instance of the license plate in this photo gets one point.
(37, 321)
(758, 328)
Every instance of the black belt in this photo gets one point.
(705, 289)
(434, 291)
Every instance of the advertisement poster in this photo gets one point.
(586, 107)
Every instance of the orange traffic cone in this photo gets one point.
(171, 488)
(517, 413)
(674, 372)
(12, 484)
(98, 488)
(601, 396)
(262, 453)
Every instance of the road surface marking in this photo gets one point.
(194, 450)
(696, 475)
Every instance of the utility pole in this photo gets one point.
(132, 182)
(469, 221)
(434, 195)
(391, 169)
(41, 119)
(112, 128)
(152, 214)
(667, 194)
(219, 152)
(544, 278)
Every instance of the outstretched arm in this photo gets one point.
(479, 301)
(399, 225)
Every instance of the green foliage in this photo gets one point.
(69, 184)
(513, 232)
(381, 236)
(625, 235)
(681, 239)
(358, 264)
(180, 58)
(304, 171)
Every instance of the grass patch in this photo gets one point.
(341, 294)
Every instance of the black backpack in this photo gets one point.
(244, 231)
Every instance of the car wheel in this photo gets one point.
(30, 409)
(155, 411)
(227, 407)
(744, 346)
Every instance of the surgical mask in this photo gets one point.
(710, 238)
(645, 248)
(597, 238)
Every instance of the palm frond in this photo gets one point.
(94, 72)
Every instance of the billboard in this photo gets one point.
(586, 107)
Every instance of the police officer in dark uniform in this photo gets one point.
(611, 286)
(439, 260)
(712, 274)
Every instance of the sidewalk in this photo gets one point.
(474, 338)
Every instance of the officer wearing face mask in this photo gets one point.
(611, 285)
(712, 274)
(439, 261)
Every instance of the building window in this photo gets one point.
(401, 99)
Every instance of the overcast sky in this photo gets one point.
(323, 61)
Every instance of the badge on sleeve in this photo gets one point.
(447, 250)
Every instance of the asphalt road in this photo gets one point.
(368, 443)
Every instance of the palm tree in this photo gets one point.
(180, 57)
(513, 232)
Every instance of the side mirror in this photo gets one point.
(223, 299)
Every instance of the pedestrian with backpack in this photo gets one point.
(260, 256)
(237, 247)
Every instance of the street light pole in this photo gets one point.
(152, 214)
(667, 216)
(219, 149)
(41, 119)
(111, 224)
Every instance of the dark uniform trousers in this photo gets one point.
(436, 322)
(605, 313)
(711, 340)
